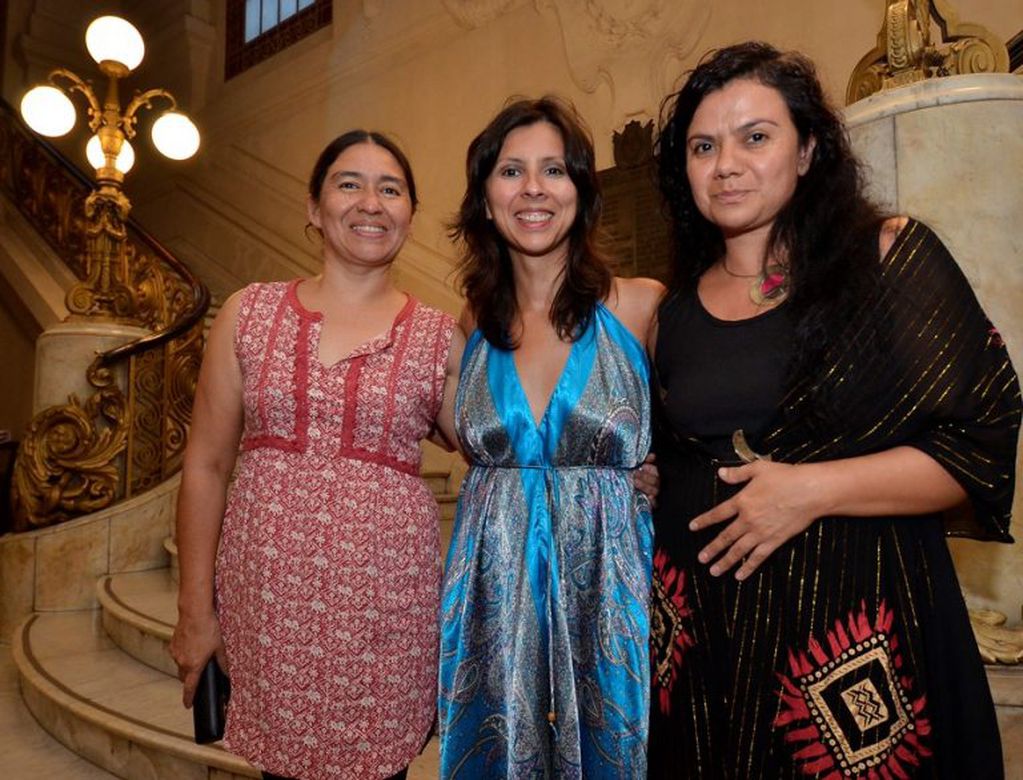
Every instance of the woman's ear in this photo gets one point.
(806, 155)
(312, 211)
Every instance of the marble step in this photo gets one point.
(436, 480)
(28, 751)
(139, 611)
(121, 715)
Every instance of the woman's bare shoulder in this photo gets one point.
(634, 301)
(890, 230)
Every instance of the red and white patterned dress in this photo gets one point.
(329, 565)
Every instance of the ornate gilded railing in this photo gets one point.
(129, 435)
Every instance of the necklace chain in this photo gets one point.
(724, 267)
(770, 285)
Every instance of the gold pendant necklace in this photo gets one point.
(770, 285)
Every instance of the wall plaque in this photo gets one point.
(633, 221)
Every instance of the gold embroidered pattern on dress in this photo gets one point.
(858, 674)
(865, 704)
(848, 709)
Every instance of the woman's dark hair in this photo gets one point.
(335, 148)
(485, 270)
(826, 234)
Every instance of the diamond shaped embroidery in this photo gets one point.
(856, 740)
(848, 708)
(865, 705)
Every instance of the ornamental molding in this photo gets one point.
(637, 48)
(907, 51)
(472, 14)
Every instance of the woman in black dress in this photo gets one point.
(833, 402)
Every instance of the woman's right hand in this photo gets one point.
(195, 641)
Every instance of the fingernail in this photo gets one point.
(702, 557)
(740, 575)
(714, 571)
(693, 526)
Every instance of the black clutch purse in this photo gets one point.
(209, 706)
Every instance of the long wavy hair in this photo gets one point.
(485, 270)
(827, 233)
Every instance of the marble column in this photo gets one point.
(63, 354)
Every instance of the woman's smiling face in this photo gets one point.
(364, 210)
(530, 196)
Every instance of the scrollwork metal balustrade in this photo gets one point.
(129, 435)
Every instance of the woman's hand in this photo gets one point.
(776, 504)
(647, 479)
(194, 642)
(782, 500)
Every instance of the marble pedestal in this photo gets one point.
(64, 353)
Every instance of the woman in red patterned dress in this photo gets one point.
(314, 579)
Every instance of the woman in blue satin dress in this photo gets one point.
(545, 622)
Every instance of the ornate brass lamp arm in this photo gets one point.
(78, 84)
(143, 100)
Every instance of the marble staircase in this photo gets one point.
(102, 683)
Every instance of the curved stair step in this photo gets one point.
(139, 614)
(122, 716)
(28, 750)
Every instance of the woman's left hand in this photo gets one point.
(775, 505)
(647, 479)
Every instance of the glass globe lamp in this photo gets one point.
(94, 152)
(112, 39)
(48, 111)
(175, 136)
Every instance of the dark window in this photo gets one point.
(258, 29)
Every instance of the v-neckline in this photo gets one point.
(524, 397)
(363, 347)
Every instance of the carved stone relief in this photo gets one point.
(635, 47)
(476, 13)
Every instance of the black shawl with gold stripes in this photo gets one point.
(943, 383)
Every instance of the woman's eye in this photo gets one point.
(347, 185)
(554, 170)
(509, 172)
(701, 147)
(757, 137)
(393, 192)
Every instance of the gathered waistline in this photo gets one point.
(551, 467)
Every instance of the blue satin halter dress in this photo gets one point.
(545, 624)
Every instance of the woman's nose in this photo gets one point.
(370, 202)
(532, 185)
(727, 163)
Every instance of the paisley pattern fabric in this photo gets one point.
(544, 604)
(848, 653)
(328, 572)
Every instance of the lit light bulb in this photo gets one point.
(113, 38)
(94, 152)
(48, 111)
(175, 135)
